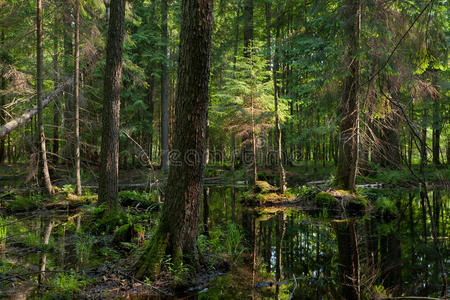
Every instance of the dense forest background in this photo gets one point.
(403, 57)
(297, 111)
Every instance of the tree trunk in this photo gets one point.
(247, 148)
(55, 84)
(76, 95)
(109, 156)
(43, 164)
(164, 90)
(68, 110)
(281, 171)
(2, 99)
(151, 110)
(349, 125)
(178, 228)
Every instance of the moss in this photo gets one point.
(358, 203)
(127, 233)
(325, 199)
(149, 264)
(268, 197)
(264, 187)
(105, 221)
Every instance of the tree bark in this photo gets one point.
(164, 90)
(151, 110)
(43, 164)
(27, 116)
(68, 150)
(349, 125)
(248, 149)
(178, 228)
(2, 99)
(55, 84)
(76, 95)
(280, 166)
(109, 156)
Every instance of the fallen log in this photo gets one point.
(13, 124)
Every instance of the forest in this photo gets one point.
(224, 149)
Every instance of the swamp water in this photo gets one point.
(276, 253)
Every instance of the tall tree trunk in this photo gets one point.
(43, 164)
(281, 171)
(178, 229)
(56, 112)
(248, 149)
(235, 53)
(164, 90)
(349, 125)
(2, 99)
(151, 110)
(68, 110)
(109, 155)
(76, 95)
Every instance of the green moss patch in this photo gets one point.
(264, 187)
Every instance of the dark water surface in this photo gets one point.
(289, 253)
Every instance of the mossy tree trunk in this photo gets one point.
(178, 229)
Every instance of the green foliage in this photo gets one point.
(305, 192)
(178, 270)
(384, 205)
(223, 240)
(24, 203)
(67, 284)
(246, 97)
(3, 231)
(83, 246)
(143, 199)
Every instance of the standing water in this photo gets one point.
(273, 252)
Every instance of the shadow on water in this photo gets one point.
(289, 253)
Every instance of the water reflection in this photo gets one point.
(387, 253)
